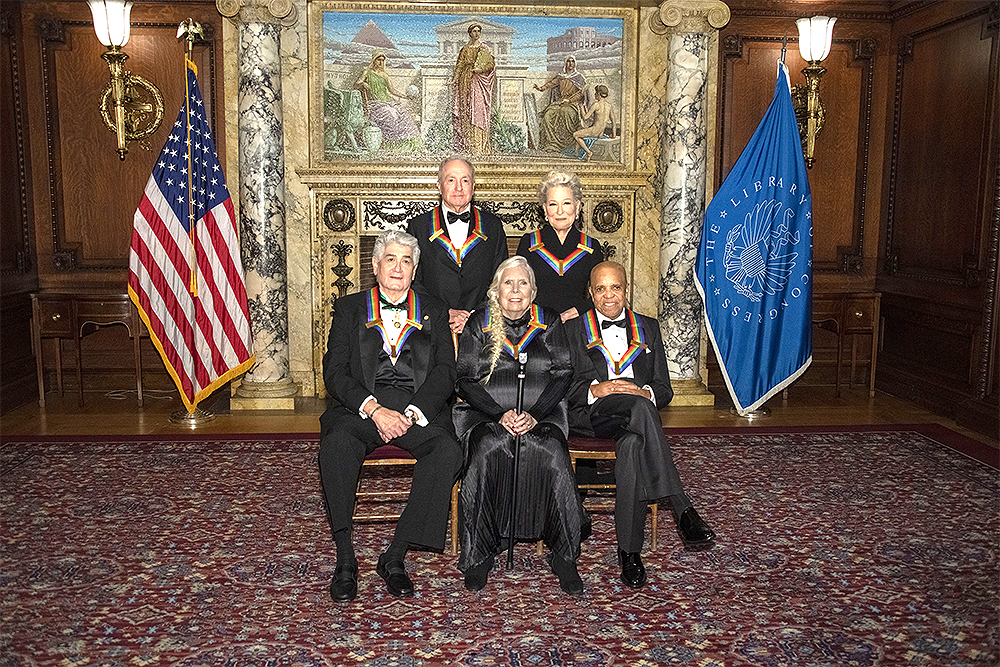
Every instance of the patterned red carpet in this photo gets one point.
(835, 549)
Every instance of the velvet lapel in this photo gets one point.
(600, 363)
(420, 354)
(370, 343)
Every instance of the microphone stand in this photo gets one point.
(522, 360)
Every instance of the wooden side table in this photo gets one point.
(68, 315)
(855, 313)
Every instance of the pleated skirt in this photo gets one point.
(548, 504)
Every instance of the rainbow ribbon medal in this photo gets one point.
(412, 320)
(536, 324)
(635, 348)
(440, 235)
(561, 266)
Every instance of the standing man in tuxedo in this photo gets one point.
(620, 383)
(389, 369)
(462, 245)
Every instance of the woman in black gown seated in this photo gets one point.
(548, 506)
(559, 253)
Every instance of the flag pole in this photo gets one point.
(189, 29)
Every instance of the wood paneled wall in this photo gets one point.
(941, 213)
(73, 228)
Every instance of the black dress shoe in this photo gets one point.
(344, 586)
(569, 579)
(695, 533)
(633, 573)
(475, 579)
(394, 574)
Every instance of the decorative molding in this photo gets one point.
(849, 257)
(383, 215)
(609, 248)
(341, 270)
(278, 12)
(689, 16)
(23, 256)
(521, 216)
(732, 46)
(793, 10)
(988, 326)
(338, 215)
(892, 264)
(608, 217)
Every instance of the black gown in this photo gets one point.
(570, 289)
(548, 505)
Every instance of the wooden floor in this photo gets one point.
(118, 414)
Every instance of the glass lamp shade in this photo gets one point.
(111, 21)
(815, 37)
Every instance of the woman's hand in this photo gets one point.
(517, 424)
(569, 314)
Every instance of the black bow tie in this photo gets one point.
(385, 305)
(459, 217)
(606, 324)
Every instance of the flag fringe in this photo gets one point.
(206, 391)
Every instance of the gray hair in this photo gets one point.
(498, 329)
(394, 236)
(459, 158)
(559, 179)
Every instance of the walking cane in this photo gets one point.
(522, 360)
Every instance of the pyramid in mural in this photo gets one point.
(368, 40)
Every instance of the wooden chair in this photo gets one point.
(602, 449)
(390, 455)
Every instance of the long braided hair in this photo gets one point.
(496, 324)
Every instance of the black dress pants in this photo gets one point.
(644, 466)
(424, 520)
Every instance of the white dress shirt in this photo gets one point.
(458, 231)
(616, 340)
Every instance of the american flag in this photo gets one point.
(185, 272)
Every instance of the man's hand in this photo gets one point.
(517, 424)
(457, 318)
(602, 389)
(391, 424)
(569, 314)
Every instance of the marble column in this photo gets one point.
(268, 385)
(689, 27)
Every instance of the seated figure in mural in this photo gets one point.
(472, 90)
(399, 133)
(562, 117)
(603, 113)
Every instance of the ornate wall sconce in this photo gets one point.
(815, 40)
(131, 106)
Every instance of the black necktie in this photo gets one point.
(458, 217)
(385, 305)
(606, 324)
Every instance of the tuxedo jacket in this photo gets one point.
(352, 359)
(462, 287)
(650, 368)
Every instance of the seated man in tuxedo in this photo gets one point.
(620, 382)
(462, 245)
(389, 369)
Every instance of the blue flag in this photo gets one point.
(754, 267)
